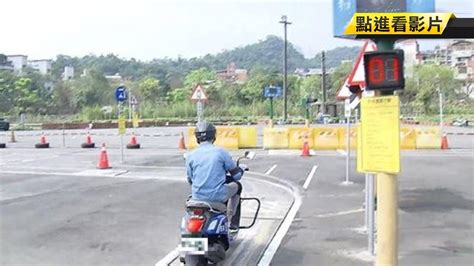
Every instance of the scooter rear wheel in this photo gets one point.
(195, 260)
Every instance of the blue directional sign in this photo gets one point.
(121, 94)
(272, 92)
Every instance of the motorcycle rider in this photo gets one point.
(206, 169)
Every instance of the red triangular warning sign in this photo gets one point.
(357, 74)
(199, 94)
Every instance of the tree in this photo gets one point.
(202, 75)
(337, 78)
(421, 90)
(150, 89)
(92, 89)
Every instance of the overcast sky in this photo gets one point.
(147, 29)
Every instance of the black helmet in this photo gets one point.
(205, 132)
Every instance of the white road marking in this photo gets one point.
(310, 177)
(272, 248)
(332, 214)
(278, 237)
(170, 257)
(271, 169)
(343, 152)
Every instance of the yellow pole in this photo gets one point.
(387, 219)
(306, 123)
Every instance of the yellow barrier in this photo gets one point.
(297, 136)
(326, 138)
(191, 144)
(428, 138)
(407, 138)
(226, 137)
(275, 138)
(343, 139)
(247, 137)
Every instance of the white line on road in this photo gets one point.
(332, 214)
(272, 248)
(169, 258)
(269, 171)
(310, 177)
(342, 152)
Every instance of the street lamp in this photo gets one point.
(285, 22)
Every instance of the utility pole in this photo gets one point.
(323, 81)
(285, 22)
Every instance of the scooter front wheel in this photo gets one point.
(195, 260)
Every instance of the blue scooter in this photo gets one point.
(205, 234)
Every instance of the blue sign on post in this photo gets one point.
(121, 94)
(272, 92)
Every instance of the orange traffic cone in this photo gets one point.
(133, 143)
(444, 142)
(42, 144)
(181, 144)
(42, 139)
(103, 160)
(88, 143)
(305, 152)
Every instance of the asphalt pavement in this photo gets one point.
(57, 208)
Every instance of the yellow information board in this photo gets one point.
(135, 120)
(380, 134)
(121, 125)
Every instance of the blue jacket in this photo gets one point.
(206, 167)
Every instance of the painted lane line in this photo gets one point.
(173, 255)
(269, 171)
(310, 177)
(282, 231)
(343, 152)
(275, 242)
(332, 214)
(169, 258)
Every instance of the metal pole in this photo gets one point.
(199, 110)
(285, 22)
(285, 79)
(121, 148)
(440, 112)
(366, 217)
(130, 107)
(323, 81)
(371, 215)
(271, 108)
(348, 148)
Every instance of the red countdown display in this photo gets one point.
(384, 70)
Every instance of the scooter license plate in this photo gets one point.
(197, 246)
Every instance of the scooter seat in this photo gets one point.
(217, 206)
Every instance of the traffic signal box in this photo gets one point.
(384, 70)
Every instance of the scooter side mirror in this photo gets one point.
(250, 155)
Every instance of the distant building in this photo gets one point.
(42, 65)
(4, 63)
(18, 62)
(411, 49)
(68, 73)
(462, 58)
(115, 77)
(232, 74)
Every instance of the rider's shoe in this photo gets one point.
(233, 230)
